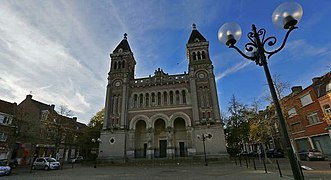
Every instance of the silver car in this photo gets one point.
(311, 154)
(5, 169)
(46, 163)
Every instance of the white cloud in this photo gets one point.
(233, 69)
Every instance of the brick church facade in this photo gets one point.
(162, 116)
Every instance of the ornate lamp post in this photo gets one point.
(203, 138)
(97, 141)
(286, 16)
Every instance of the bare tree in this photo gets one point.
(64, 110)
(280, 86)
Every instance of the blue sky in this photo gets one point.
(60, 50)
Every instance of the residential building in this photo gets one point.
(7, 129)
(44, 132)
(163, 115)
(304, 117)
(322, 86)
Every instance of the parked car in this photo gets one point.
(275, 153)
(79, 159)
(13, 163)
(311, 154)
(46, 163)
(5, 169)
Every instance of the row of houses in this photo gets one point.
(32, 128)
(307, 112)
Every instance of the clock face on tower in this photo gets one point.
(117, 83)
(201, 75)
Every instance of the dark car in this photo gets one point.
(275, 153)
(13, 163)
(311, 154)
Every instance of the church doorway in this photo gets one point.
(180, 137)
(140, 139)
(160, 137)
(163, 148)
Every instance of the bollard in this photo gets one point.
(254, 164)
(240, 161)
(235, 160)
(280, 172)
(246, 162)
(265, 167)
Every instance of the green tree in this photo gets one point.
(92, 131)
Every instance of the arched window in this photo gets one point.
(135, 100)
(123, 64)
(165, 98)
(194, 56)
(203, 115)
(147, 99)
(177, 97)
(199, 55)
(184, 96)
(203, 55)
(115, 65)
(119, 64)
(158, 98)
(153, 99)
(171, 97)
(141, 100)
(209, 115)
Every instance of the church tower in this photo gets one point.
(115, 124)
(121, 73)
(202, 80)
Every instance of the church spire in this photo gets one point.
(195, 36)
(123, 45)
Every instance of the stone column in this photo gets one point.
(150, 143)
(170, 141)
(194, 100)
(107, 107)
(124, 104)
(214, 99)
(191, 150)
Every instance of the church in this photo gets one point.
(163, 115)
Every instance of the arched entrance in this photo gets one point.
(140, 139)
(160, 137)
(180, 137)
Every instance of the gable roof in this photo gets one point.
(7, 107)
(124, 45)
(196, 36)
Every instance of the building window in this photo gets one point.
(5, 120)
(292, 112)
(184, 96)
(328, 87)
(313, 118)
(306, 99)
(194, 56)
(3, 137)
(327, 109)
(296, 127)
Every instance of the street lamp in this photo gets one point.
(203, 138)
(285, 16)
(97, 141)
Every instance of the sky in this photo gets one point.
(58, 50)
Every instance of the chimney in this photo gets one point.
(296, 89)
(316, 79)
(53, 106)
(29, 96)
(74, 118)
